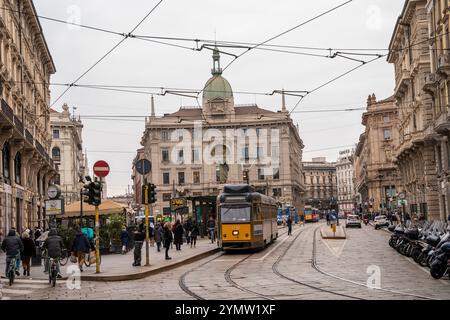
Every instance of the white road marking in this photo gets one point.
(335, 251)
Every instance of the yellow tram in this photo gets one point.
(246, 219)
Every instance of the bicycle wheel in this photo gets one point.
(53, 282)
(64, 259)
(11, 276)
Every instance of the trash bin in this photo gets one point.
(37, 261)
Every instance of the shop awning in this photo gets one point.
(107, 207)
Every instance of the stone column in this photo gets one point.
(16, 146)
(432, 195)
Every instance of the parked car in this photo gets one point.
(381, 221)
(353, 221)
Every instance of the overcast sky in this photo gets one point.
(360, 24)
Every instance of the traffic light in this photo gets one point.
(96, 193)
(88, 193)
(151, 193)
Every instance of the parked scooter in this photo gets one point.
(441, 262)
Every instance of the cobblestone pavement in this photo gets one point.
(287, 269)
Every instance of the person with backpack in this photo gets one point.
(13, 247)
(80, 247)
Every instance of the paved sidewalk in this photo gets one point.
(117, 267)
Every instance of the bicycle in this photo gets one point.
(53, 272)
(12, 270)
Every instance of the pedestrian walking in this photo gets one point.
(139, 237)
(328, 219)
(29, 250)
(151, 234)
(37, 234)
(211, 227)
(187, 228)
(178, 235)
(80, 247)
(13, 246)
(159, 236)
(194, 232)
(168, 237)
(289, 225)
(124, 239)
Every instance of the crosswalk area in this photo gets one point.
(21, 288)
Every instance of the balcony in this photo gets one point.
(443, 64)
(431, 81)
(403, 80)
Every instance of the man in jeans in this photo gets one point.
(211, 227)
(139, 237)
(54, 245)
(13, 246)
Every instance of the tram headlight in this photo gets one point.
(235, 232)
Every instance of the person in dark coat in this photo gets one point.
(124, 240)
(168, 237)
(194, 232)
(29, 250)
(289, 225)
(80, 247)
(178, 235)
(54, 245)
(139, 237)
(159, 235)
(13, 247)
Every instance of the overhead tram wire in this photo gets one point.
(287, 31)
(107, 53)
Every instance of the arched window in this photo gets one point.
(6, 152)
(56, 154)
(18, 168)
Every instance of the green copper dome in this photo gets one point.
(217, 87)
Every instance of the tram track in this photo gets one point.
(227, 276)
(315, 266)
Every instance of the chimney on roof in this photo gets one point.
(283, 101)
(372, 99)
(152, 107)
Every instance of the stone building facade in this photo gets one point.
(422, 101)
(196, 150)
(67, 153)
(345, 175)
(376, 176)
(25, 69)
(321, 183)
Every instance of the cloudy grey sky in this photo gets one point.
(360, 24)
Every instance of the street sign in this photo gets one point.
(402, 202)
(54, 207)
(177, 203)
(143, 166)
(402, 195)
(101, 168)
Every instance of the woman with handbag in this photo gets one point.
(29, 250)
(80, 247)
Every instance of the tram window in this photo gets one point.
(235, 214)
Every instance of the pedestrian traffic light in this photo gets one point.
(151, 193)
(88, 193)
(96, 193)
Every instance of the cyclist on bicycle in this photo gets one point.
(211, 227)
(54, 245)
(13, 247)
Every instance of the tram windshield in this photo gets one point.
(235, 213)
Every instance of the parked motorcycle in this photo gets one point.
(441, 262)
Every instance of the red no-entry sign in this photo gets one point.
(101, 169)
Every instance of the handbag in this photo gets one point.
(73, 258)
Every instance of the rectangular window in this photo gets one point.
(180, 155)
(246, 176)
(181, 178)
(196, 177)
(276, 173)
(276, 192)
(386, 118)
(167, 196)
(259, 152)
(165, 135)
(261, 174)
(387, 134)
(55, 134)
(165, 155)
(245, 154)
(166, 178)
(195, 155)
